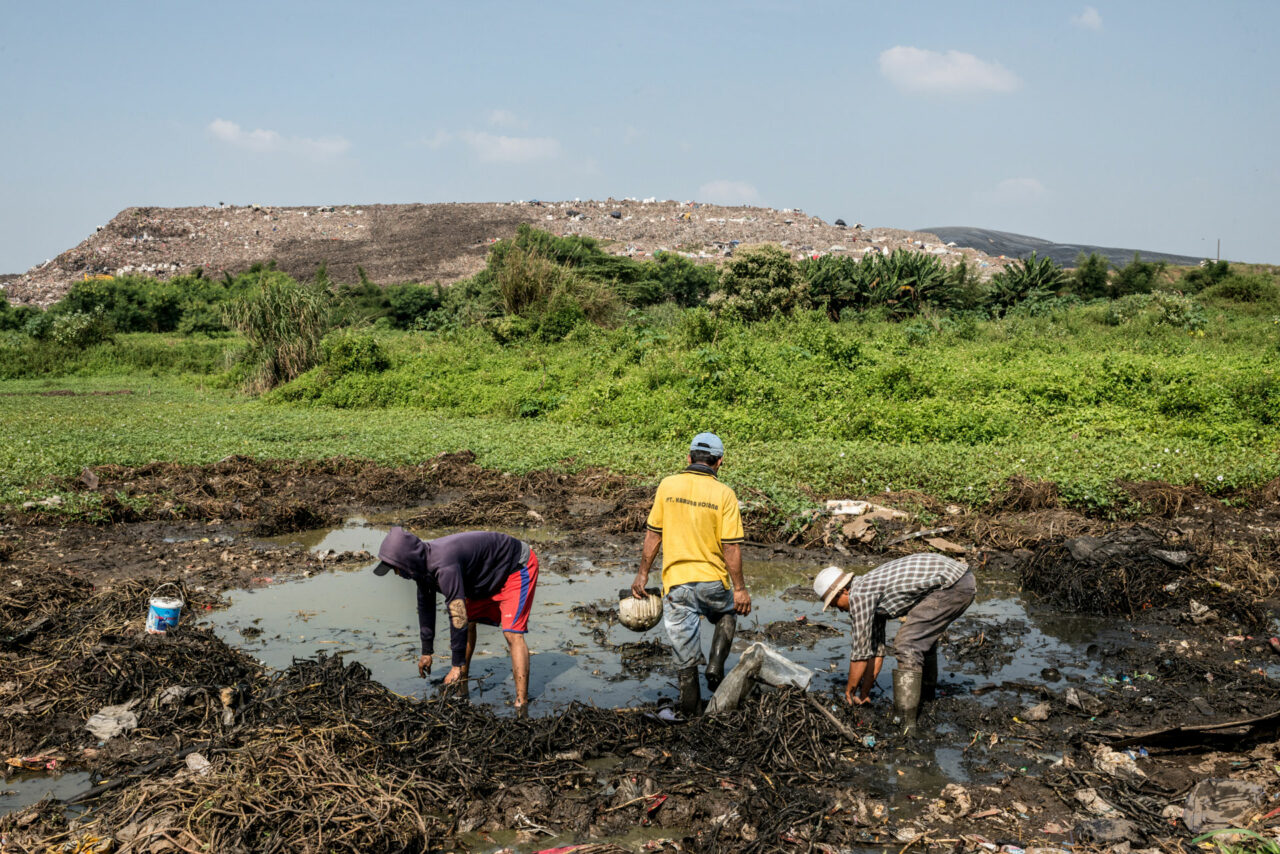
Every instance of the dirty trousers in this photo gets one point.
(928, 619)
(682, 609)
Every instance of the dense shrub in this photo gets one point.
(410, 305)
(1136, 277)
(144, 304)
(759, 282)
(1209, 273)
(80, 329)
(284, 323)
(347, 353)
(679, 278)
(1246, 288)
(1089, 280)
(899, 284)
(1029, 280)
(10, 317)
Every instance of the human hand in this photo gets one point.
(637, 586)
(454, 674)
(742, 602)
(424, 665)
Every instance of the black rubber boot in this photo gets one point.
(929, 685)
(690, 693)
(906, 699)
(721, 642)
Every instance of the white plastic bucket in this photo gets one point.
(163, 611)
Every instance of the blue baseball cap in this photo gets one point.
(708, 442)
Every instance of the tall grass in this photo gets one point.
(284, 323)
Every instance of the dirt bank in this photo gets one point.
(1040, 761)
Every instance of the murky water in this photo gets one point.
(27, 788)
(374, 620)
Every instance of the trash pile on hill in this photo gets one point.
(439, 242)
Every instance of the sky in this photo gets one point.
(1147, 125)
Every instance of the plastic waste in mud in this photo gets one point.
(1038, 712)
(758, 664)
(1117, 764)
(1106, 830)
(110, 721)
(1219, 803)
(163, 612)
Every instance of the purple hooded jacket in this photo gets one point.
(470, 565)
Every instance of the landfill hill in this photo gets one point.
(437, 242)
(1020, 246)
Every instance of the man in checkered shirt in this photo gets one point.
(927, 591)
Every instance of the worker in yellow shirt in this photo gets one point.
(696, 521)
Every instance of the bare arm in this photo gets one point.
(652, 542)
(862, 675)
(733, 563)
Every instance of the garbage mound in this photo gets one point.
(437, 242)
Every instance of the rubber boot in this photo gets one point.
(690, 693)
(721, 642)
(929, 683)
(906, 699)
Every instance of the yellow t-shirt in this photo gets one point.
(696, 515)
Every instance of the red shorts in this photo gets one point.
(509, 607)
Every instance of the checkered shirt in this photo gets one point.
(891, 590)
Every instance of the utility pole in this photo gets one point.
(1219, 258)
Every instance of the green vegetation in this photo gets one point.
(844, 376)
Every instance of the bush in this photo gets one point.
(1137, 277)
(1246, 288)
(1208, 273)
(284, 323)
(347, 353)
(563, 314)
(8, 317)
(681, 279)
(38, 324)
(1178, 311)
(1028, 280)
(202, 319)
(411, 304)
(899, 284)
(1090, 277)
(81, 329)
(759, 282)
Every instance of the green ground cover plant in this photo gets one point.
(841, 376)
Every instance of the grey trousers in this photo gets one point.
(929, 618)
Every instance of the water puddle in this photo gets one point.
(24, 789)
(578, 654)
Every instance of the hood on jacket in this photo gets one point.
(404, 551)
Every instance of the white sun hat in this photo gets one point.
(829, 583)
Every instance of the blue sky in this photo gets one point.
(1153, 125)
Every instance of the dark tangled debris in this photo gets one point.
(319, 757)
(322, 740)
(1130, 570)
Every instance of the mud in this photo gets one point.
(296, 671)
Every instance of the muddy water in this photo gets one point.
(580, 657)
(26, 788)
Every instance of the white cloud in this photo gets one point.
(1013, 191)
(272, 142)
(929, 72)
(510, 149)
(506, 119)
(1089, 19)
(728, 193)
